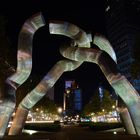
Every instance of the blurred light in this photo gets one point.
(92, 113)
(114, 132)
(107, 9)
(59, 110)
(30, 131)
(113, 106)
(9, 125)
(85, 120)
(77, 116)
(67, 91)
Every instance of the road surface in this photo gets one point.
(72, 132)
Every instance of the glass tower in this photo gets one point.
(123, 27)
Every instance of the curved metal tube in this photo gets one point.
(50, 79)
(24, 66)
(40, 91)
(24, 54)
(120, 84)
(104, 45)
(48, 82)
(74, 32)
(70, 30)
(126, 119)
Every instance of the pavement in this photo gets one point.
(72, 133)
(55, 137)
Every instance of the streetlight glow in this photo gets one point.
(113, 106)
(59, 110)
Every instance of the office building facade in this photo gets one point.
(72, 101)
(123, 27)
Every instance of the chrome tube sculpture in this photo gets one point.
(24, 56)
(40, 91)
(24, 66)
(104, 45)
(77, 56)
(81, 39)
(72, 31)
(126, 118)
(120, 84)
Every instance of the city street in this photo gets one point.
(73, 132)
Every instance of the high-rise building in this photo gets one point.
(123, 27)
(77, 99)
(72, 103)
(101, 92)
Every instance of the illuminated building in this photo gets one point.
(77, 99)
(72, 98)
(123, 27)
(101, 92)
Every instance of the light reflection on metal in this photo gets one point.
(70, 30)
(24, 66)
(24, 54)
(104, 45)
(81, 39)
(120, 84)
(127, 120)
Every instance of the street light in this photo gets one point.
(59, 110)
(113, 106)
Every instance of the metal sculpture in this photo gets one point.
(81, 39)
(104, 45)
(64, 28)
(120, 84)
(76, 56)
(24, 66)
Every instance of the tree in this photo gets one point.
(96, 106)
(107, 101)
(93, 105)
(46, 105)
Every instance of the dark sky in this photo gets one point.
(87, 15)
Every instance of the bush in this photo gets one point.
(84, 124)
(104, 126)
(56, 122)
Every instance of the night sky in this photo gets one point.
(87, 15)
